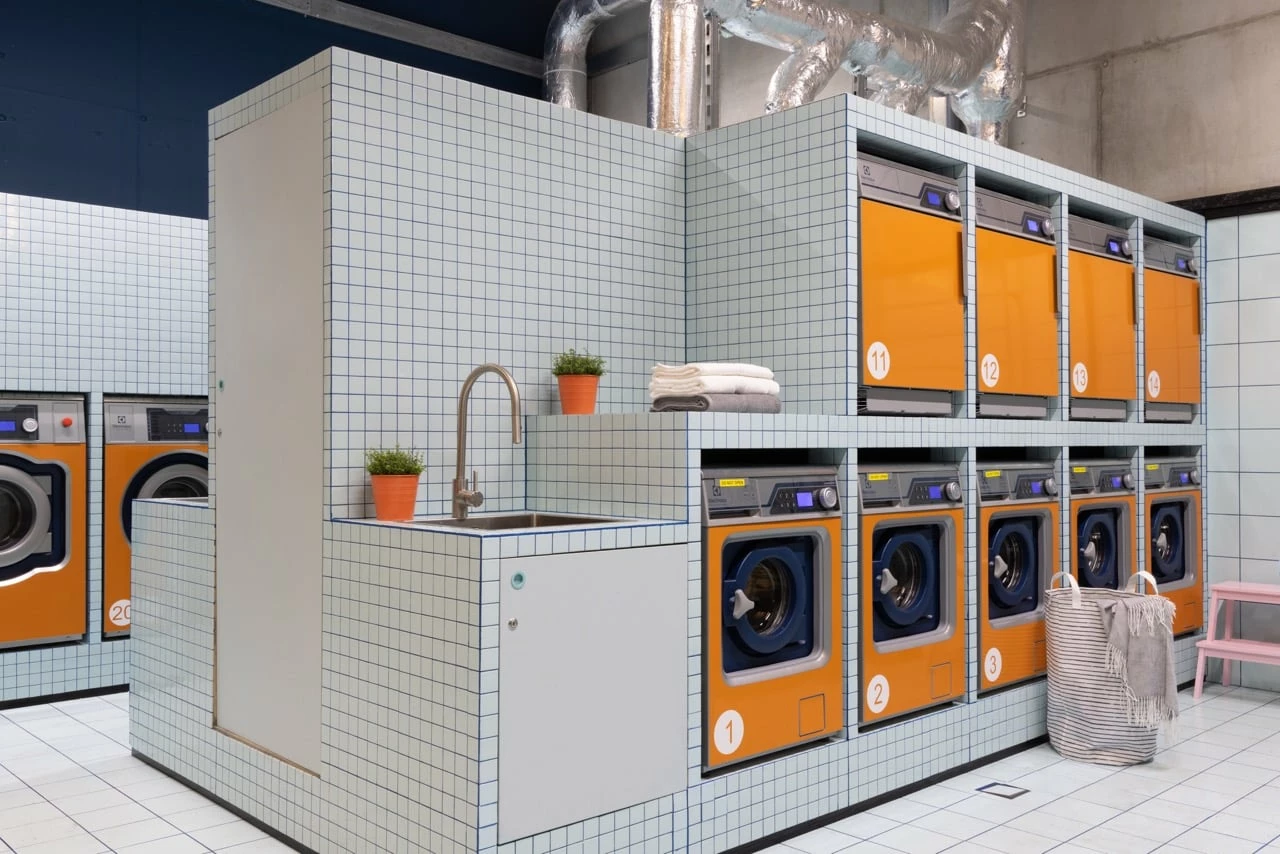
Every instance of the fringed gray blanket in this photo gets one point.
(1140, 653)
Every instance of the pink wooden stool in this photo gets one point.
(1229, 648)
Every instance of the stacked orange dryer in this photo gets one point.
(1103, 321)
(1018, 370)
(911, 287)
(1171, 320)
(44, 521)
(157, 448)
(1175, 546)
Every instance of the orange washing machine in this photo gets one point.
(911, 290)
(156, 448)
(1017, 556)
(44, 522)
(1102, 321)
(1103, 518)
(912, 635)
(1176, 551)
(1017, 305)
(773, 666)
(1171, 322)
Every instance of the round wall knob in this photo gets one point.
(1046, 227)
(30, 425)
(953, 201)
(1194, 477)
(827, 498)
(1050, 487)
(1127, 480)
(953, 491)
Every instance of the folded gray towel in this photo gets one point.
(1140, 651)
(767, 403)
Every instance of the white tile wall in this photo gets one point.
(409, 618)
(96, 301)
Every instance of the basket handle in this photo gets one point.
(1075, 588)
(1135, 583)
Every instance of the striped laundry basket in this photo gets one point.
(1086, 704)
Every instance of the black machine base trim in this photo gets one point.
(46, 699)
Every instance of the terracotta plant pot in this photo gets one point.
(394, 496)
(578, 393)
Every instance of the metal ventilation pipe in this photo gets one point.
(676, 35)
(987, 105)
(564, 80)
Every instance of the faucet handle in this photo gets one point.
(475, 480)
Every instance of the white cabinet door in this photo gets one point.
(592, 688)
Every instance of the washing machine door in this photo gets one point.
(26, 518)
(1167, 543)
(1096, 554)
(767, 611)
(177, 475)
(904, 582)
(1013, 564)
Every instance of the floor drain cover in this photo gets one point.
(1003, 790)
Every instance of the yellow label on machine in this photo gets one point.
(877, 477)
(993, 473)
(1080, 469)
(737, 481)
(1153, 467)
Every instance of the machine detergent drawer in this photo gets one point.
(592, 687)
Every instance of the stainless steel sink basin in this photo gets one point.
(514, 521)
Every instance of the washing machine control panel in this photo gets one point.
(910, 488)
(41, 421)
(730, 495)
(169, 422)
(905, 186)
(1013, 216)
(1017, 482)
(1099, 238)
(1172, 474)
(1170, 257)
(1109, 477)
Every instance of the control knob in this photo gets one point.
(953, 201)
(1050, 487)
(30, 425)
(1192, 266)
(1047, 228)
(1127, 480)
(1194, 477)
(827, 498)
(952, 491)
(1125, 249)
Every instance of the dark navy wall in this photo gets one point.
(106, 101)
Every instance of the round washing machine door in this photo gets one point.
(768, 603)
(1096, 555)
(25, 518)
(1013, 563)
(176, 475)
(904, 582)
(1167, 543)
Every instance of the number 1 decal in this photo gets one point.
(729, 732)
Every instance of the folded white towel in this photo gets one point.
(711, 385)
(710, 369)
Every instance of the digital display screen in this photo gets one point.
(804, 499)
(1033, 226)
(933, 198)
(935, 492)
(1182, 263)
(1184, 477)
(8, 426)
(1036, 486)
(1115, 483)
(1113, 246)
(190, 428)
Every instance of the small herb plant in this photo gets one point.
(574, 364)
(393, 461)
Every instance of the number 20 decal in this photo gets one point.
(120, 612)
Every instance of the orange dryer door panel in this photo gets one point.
(1017, 315)
(903, 675)
(1013, 650)
(120, 464)
(53, 605)
(912, 297)
(1187, 595)
(1104, 348)
(1171, 318)
(748, 714)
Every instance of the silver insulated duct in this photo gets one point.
(974, 55)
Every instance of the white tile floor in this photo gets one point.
(69, 786)
(1213, 788)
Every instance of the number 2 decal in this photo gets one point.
(878, 694)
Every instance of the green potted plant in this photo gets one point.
(578, 375)
(394, 474)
